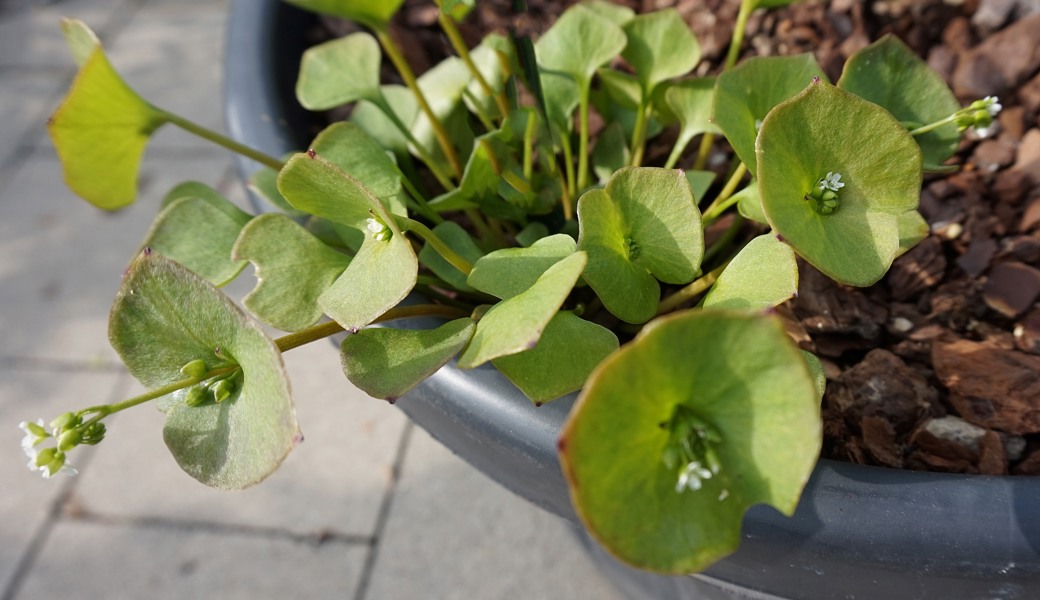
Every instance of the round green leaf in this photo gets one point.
(660, 46)
(749, 203)
(164, 317)
(578, 43)
(386, 363)
(199, 234)
(339, 71)
(912, 229)
(762, 275)
(643, 227)
(888, 73)
(617, 13)
(374, 120)
(568, 351)
(516, 324)
(691, 101)
(375, 14)
(824, 130)
(101, 129)
(316, 186)
(745, 94)
(347, 146)
(740, 376)
(293, 268)
(511, 271)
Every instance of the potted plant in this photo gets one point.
(705, 412)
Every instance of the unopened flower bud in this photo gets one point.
(93, 433)
(196, 396)
(222, 389)
(195, 369)
(65, 422)
(69, 440)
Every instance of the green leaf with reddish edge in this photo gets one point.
(456, 238)
(888, 73)
(736, 372)
(399, 100)
(164, 317)
(293, 268)
(348, 147)
(101, 128)
(762, 275)
(643, 227)
(199, 234)
(516, 324)
(318, 187)
(264, 183)
(339, 71)
(745, 94)
(749, 203)
(568, 351)
(378, 278)
(385, 362)
(912, 230)
(660, 47)
(824, 130)
(374, 14)
(511, 271)
(578, 43)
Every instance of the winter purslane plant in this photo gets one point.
(565, 261)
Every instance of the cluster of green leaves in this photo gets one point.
(548, 247)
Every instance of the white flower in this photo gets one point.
(983, 132)
(831, 182)
(758, 124)
(31, 439)
(691, 477)
(992, 105)
(373, 225)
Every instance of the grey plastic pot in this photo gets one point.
(859, 532)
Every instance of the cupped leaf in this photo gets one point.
(101, 128)
(516, 324)
(745, 94)
(912, 229)
(821, 133)
(379, 277)
(568, 351)
(660, 47)
(888, 73)
(401, 102)
(617, 13)
(511, 271)
(456, 238)
(643, 227)
(385, 362)
(731, 384)
(749, 203)
(318, 187)
(264, 183)
(375, 14)
(347, 146)
(339, 71)
(198, 232)
(691, 101)
(164, 317)
(762, 275)
(293, 268)
(578, 43)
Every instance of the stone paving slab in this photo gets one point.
(110, 561)
(30, 34)
(333, 483)
(453, 533)
(61, 259)
(26, 498)
(25, 103)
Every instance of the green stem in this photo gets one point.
(442, 178)
(723, 200)
(222, 140)
(699, 286)
(639, 135)
(529, 131)
(735, 42)
(440, 247)
(455, 38)
(421, 205)
(102, 411)
(933, 126)
(583, 138)
(568, 165)
(393, 51)
(478, 110)
(704, 151)
(677, 150)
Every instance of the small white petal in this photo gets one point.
(983, 132)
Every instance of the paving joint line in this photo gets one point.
(60, 365)
(384, 513)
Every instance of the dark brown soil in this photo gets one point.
(937, 367)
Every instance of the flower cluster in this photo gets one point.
(691, 450)
(68, 431)
(824, 196)
(979, 115)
